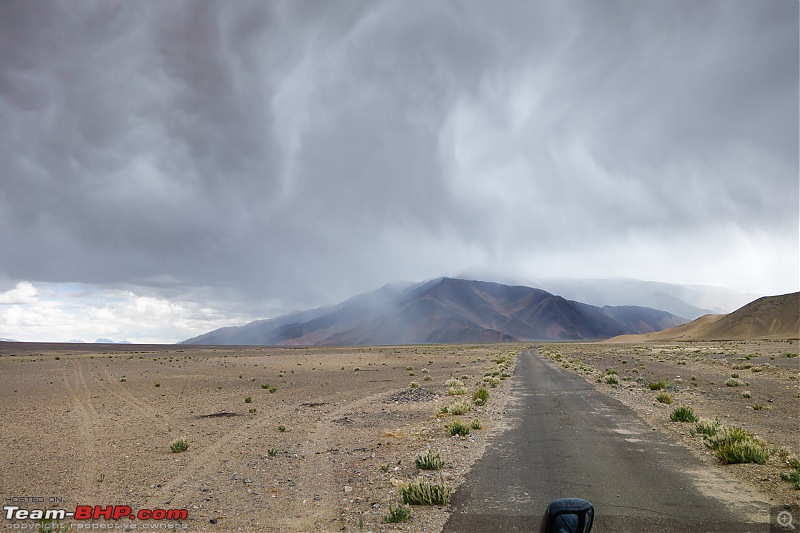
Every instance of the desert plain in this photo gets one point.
(322, 439)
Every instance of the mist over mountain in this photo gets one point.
(688, 301)
(446, 310)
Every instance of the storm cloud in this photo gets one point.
(280, 155)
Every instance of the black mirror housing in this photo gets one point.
(568, 515)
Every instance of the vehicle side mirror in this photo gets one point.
(568, 515)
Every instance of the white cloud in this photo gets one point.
(23, 293)
(69, 311)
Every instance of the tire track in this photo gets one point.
(86, 420)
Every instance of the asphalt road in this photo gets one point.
(568, 440)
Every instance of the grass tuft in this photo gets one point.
(397, 514)
(735, 445)
(429, 461)
(422, 492)
(664, 397)
(179, 445)
(683, 414)
(456, 427)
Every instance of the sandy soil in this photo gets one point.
(696, 374)
(326, 451)
(92, 424)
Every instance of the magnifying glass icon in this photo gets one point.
(784, 519)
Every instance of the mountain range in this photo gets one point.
(446, 310)
(770, 317)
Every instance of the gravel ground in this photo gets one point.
(280, 439)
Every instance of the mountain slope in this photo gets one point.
(445, 310)
(770, 317)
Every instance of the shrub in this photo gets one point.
(459, 408)
(179, 445)
(429, 461)
(422, 492)
(664, 397)
(413, 385)
(397, 514)
(264, 386)
(427, 378)
(708, 427)
(759, 407)
(683, 414)
(456, 391)
(735, 445)
(456, 427)
(282, 429)
(452, 382)
(157, 384)
(248, 399)
(476, 424)
(612, 379)
(746, 394)
(610, 371)
(734, 382)
(272, 452)
(792, 477)
(480, 396)
(657, 385)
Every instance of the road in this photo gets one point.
(567, 439)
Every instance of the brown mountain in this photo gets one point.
(770, 317)
(446, 310)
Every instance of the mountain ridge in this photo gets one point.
(768, 317)
(445, 310)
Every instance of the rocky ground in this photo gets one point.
(323, 439)
(280, 439)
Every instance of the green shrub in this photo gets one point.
(429, 461)
(458, 408)
(792, 477)
(413, 385)
(735, 445)
(480, 396)
(612, 379)
(734, 382)
(422, 492)
(708, 427)
(452, 382)
(282, 429)
(657, 385)
(746, 394)
(456, 391)
(664, 397)
(456, 427)
(476, 424)
(397, 514)
(248, 399)
(683, 414)
(179, 445)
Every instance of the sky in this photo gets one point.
(173, 167)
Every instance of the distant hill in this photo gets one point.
(770, 317)
(446, 310)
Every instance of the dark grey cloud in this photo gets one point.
(302, 151)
